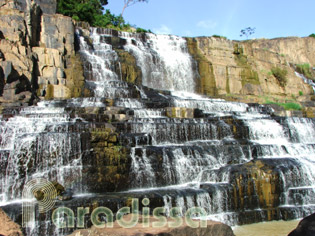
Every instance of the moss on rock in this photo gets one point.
(127, 68)
(75, 79)
(207, 83)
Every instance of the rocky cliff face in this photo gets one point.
(37, 53)
(242, 70)
(237, 161)
(38, 60)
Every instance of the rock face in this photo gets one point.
(125, 137)
(8, 227)
(212, 229)
(306, 227)
(47, 6)
(37, 53)
(241, 70)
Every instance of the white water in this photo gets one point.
(191, 152)
(164, 61)
(166, 65)
(36, 144)
(306, 80)
(266, 131)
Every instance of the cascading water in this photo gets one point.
(37, 143)
(235, 160)
(306, 80)
(164, 61)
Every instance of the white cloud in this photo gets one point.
(207, 24)
(163, 30)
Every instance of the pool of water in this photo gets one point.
(273, 228)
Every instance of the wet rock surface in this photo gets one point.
(306, 227)
(105, 125)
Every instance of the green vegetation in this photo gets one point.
(219, 36)
(287, 105)
(304, 69)
(91, 11)
(300, 93)
(281, 75)
(312, 35)
(140, 30)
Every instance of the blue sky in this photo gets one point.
(271, 18)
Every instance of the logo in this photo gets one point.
(45, 193)
(62, 217)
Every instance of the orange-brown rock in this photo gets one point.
(8, 227)
(213, 229)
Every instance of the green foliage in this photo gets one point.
(287, 105)
(300, 93)
(291, 106)
(90, 11)
(304, 69)
(312, 35)
(140, 30)
(281, 75)
(219, 36)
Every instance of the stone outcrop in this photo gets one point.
(240, 70)
(47, 6)
(38, 47)
(38, 57)
(306, 227)
(179, 112)
(8, 227)
(213, 229)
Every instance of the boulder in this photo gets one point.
(306, 227)
(8, 227)
(212, 229)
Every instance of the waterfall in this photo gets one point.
(164, 61)
(306, 80)
(37, 143)
(234, 160)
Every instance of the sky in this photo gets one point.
(270, 18)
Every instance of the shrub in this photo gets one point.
(140, 30)
(219, 36)
(312, 35)
(92, 12)
(281, 75)
(287, 106)
(304, 69)
(300, 93)
(291, 106)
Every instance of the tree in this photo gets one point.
(247, 32)
(90, 11)
(81, 10)
(128, 3)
